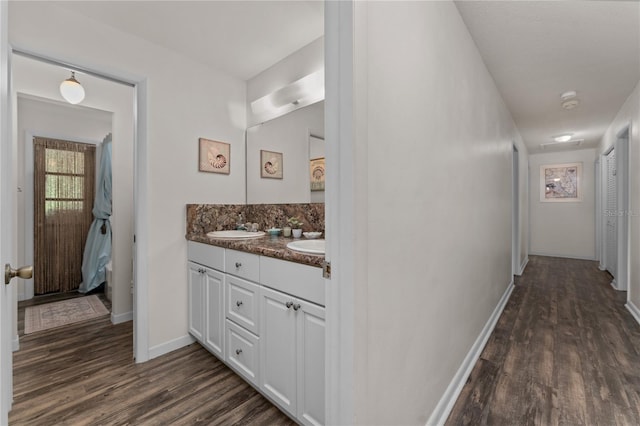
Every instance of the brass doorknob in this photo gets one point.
(24, 272)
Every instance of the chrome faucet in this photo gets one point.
(239, 224)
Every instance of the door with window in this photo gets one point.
(64, 187)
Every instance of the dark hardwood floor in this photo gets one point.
(84, 374)
(564, 352)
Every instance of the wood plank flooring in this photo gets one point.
(564, 352)
(84, 374)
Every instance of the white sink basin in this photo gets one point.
(235, 235)
(307, 246)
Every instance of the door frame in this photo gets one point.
(6, 219)
(140, 185)
(515, 213)
(621, 146)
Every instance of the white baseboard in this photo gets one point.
(16, 343)
(120, 318)
(170, 346)
(634, 310)
(524, 265)
(445, 405)
(602, 267)
(565, 256)
(614, 284)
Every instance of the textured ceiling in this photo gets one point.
(242, 38)
(536, 50)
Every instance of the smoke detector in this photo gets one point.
(569, 100)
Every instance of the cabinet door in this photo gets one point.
(214, 311)
(310, 363)
(278, 349)
(196, 301)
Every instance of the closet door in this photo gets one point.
(611, 213)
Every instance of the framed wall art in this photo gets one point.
(214, 156)
(270, 164)
(561, 182)
(316, 174)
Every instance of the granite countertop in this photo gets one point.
(265, 246)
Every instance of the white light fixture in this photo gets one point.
(71, 90)
(563, 138)
(569, 100)
(305, 91)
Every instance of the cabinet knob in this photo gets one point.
(239, 303)
(288, 305)
(201, 270)
(238, 264)
(238, 351)
(296, 306)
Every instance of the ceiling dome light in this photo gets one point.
(570, 104)
(71, 90)
(568, 95)
(563, 138)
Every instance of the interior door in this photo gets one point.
(6, 208)
(611, 215)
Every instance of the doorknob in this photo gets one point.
(24, 272)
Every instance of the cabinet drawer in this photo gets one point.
(242, 352)
(204, 254)
(243, 301)
(303, 281)
(241, 264)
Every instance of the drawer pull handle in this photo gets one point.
(238, 351)
(296, 306)
(288, 305)
(239, 303)
(238, 264)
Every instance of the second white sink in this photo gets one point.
(235, 234)
(308, 246)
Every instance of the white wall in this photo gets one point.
(564, 229)
(288, 134)
(208, 104)
(39, 117)
(629, 115)
(432, 160)
(299, 64)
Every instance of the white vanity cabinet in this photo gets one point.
(206, 296)
(292, 333)
(264, 318)
(206, 315)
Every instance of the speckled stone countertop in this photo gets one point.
(266, 246)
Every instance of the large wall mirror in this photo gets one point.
(280, 154)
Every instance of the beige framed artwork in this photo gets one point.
(316, 174)
(271, 164)
(561, 183)
(214, 156)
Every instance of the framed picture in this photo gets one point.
(215, 157)
(316, 174)
(561, 182)
(270, 164)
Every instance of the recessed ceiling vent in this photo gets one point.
(572, 142)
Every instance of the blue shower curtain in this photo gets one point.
(97, 250)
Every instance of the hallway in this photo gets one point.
(565, 351)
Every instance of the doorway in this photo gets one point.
(615, 211)
(123, 100)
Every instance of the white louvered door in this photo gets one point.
(611, 215)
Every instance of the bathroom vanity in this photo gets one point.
(259, 307)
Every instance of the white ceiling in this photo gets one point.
(536, 50)
(242, 38)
